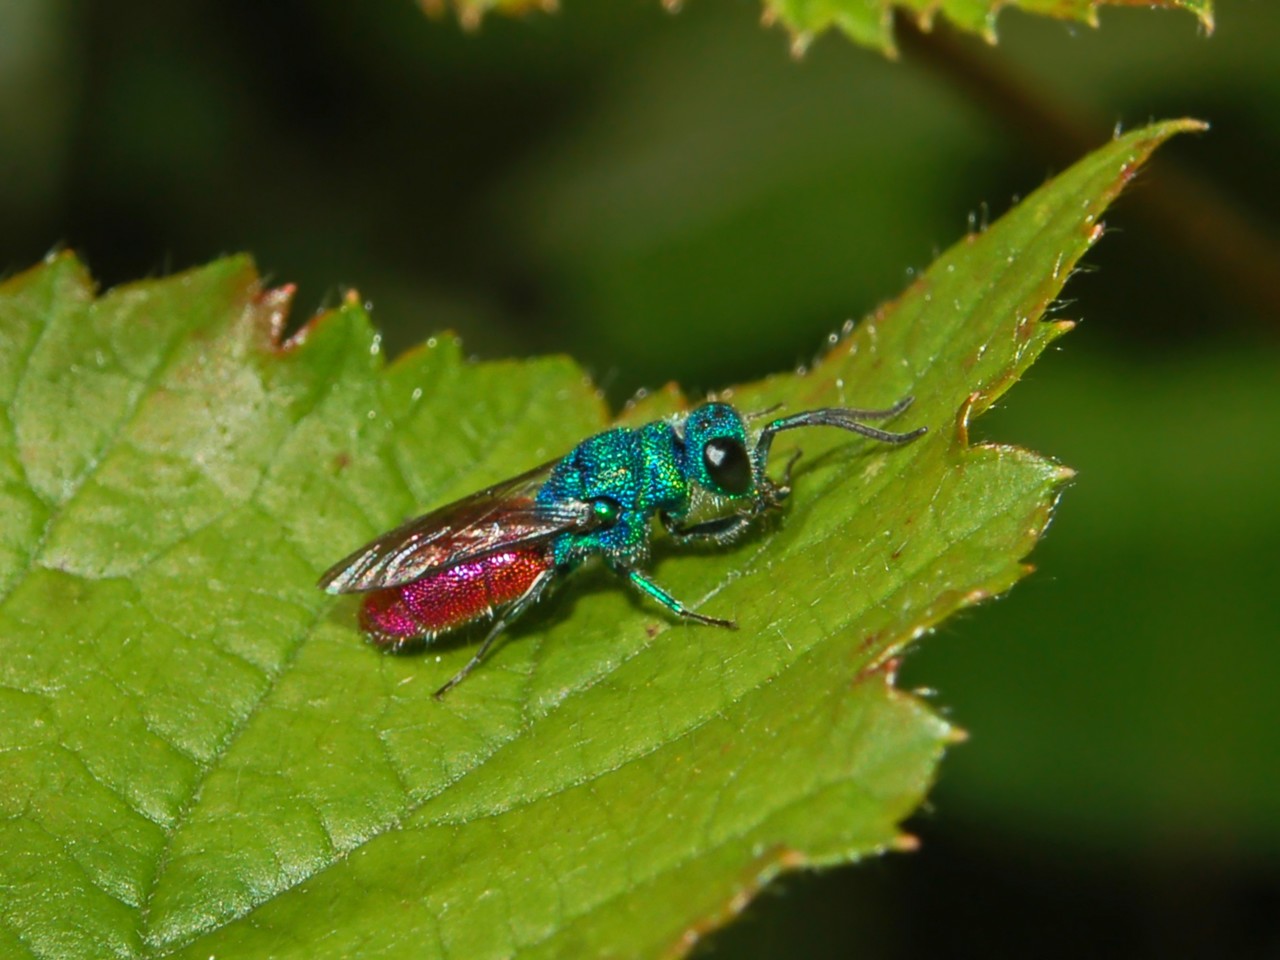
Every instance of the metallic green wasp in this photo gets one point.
(496, 552)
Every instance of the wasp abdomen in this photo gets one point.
(451, 597)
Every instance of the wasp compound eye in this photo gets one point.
(727, 465)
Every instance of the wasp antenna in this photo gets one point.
(845, 418)
(887, 414)
(757, 414)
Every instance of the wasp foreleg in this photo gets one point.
(651, 589)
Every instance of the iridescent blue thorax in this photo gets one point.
(641, 470)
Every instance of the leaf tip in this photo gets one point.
(988, 32)
(800, 41)
(905, 843)
(884, 667)
(59, 261)
(59, 255)
(1146, 139)
(925, 17)
(1205, 16)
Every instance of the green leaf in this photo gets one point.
(200, 757)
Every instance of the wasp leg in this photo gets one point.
(651, 589)
(523, 603)
(719, 531)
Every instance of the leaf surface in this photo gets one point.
(200, 756)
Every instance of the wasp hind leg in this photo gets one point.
(651, 589)
(505, 619)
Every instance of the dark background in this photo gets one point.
(673, 197)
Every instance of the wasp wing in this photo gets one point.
(502, 517)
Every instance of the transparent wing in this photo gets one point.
(499, 518)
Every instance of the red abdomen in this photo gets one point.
(451, 597)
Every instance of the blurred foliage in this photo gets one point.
(676, 198)
(869, 22)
